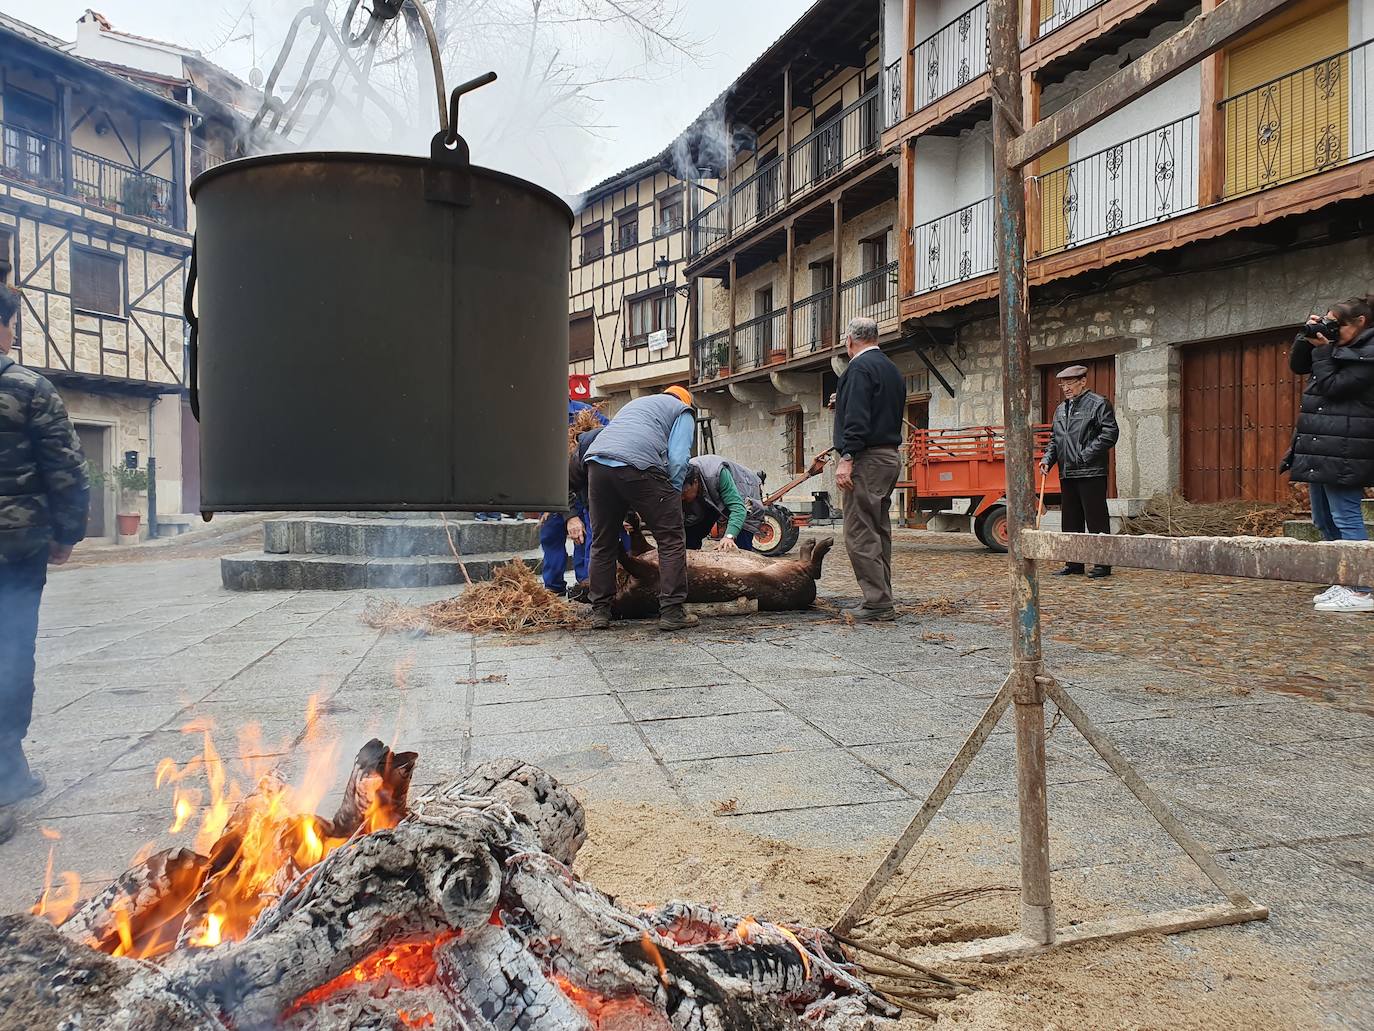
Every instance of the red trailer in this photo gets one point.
(946, 465)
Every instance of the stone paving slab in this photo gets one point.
(795, 725)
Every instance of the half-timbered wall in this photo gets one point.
(608, 285)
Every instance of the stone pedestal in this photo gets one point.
(359, 550)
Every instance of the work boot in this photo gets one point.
(675, 617)
(601, 617)
(17, 781)
(1098, 572)
(864, 614)
(1070, 569)
(7, 825)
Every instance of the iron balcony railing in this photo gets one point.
(667, 227)
(108, 184)
(813, 323)
(760, 341)
(624, 239)
(707, 228)
(202, 160)
(954, 247)
(873, 294)
(32, 156)
(826, 150)
(1055, 13)
(893, 99)
(1148, 178)
(1298, 124)
(955, 54)
(758, 196)
(711, 356)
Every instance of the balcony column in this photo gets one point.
(787, 133)
(1211, 125)
(838, 275)
(177, 132)
(730, 351)
(908, 57)
(727, 198)
(1030, 21)
(1030, 114)
(64, 120)
(906, 219)
(693, 373)
(791, 288)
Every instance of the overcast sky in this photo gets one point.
(635, 118)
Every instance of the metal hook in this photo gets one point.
(451, 130)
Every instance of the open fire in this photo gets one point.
(460, 910)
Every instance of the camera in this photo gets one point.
(1326, 327)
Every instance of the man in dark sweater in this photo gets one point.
(869, 402)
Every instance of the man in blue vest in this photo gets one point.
(638, 463)
(556, 529)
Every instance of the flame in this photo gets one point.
(405, 964)
(747, 930)
(415, 1019)
(56, 904)
(610, 1011)
(124, 927)
(213, 933)
(651, 950)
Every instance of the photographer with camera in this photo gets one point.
(1333, 448)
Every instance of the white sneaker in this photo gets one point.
(1323, 595)
(1347, 601)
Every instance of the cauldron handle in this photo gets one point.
(193, 343)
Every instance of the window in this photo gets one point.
(874, 257)
(6, 255)
(626, 229)
(29, 147)
(581, 337)
(97, 282)
(593, 243)
(794, 448)
(669, 214)
(649, 315)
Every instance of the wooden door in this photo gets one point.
(1240, 407)
(1101, 380)
(93, 444)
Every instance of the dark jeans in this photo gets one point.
(613, 491)
(697, 534)
(553, 539)
(21, 591)
(1083, 505)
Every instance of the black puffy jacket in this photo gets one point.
(1083, 434)
(1335, 439)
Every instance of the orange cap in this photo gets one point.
(682, 394)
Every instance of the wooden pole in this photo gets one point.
(1037, 906)
(787, 133)
(837, 325)
(1211, 127)
(730, 351)
(791, 290)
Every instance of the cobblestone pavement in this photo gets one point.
(798, 726)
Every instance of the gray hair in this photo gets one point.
(863, 330)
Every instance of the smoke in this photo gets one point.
(537, 121)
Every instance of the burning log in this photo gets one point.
(464, 914)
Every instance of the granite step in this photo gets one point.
(396, 538)
(264, 571)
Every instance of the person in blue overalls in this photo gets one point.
(556, 529)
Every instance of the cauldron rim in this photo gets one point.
(364, 157)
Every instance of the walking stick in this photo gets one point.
(1040, 505)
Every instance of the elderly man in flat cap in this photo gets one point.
(1083, 435)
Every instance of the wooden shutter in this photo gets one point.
(581, 338)
(96, 282)
(6, 255)
(1054, 187)
(1281, 125)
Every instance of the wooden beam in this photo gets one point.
(1257, 558)
(787, 132)
(906, 218)
(791, 289)
(837, 276)
(1211, 126)
(1206, 33)
(1016, 946)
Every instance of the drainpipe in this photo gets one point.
(152, 473)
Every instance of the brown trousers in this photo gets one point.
(868, 523)
(611, 492)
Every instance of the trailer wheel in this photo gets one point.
(991, 527)
(778, 534)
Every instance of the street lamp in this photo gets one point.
(663, 265)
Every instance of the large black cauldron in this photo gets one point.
(379, 332)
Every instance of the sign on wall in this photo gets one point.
(658, 341)
(579, 388)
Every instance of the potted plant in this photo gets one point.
(721, 354)
(139, 196)
(127, 484)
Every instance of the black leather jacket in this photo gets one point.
(1084, 432)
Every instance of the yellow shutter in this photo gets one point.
(1281, 122)
(1054, 189)
(1046, 11)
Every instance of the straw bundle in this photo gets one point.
(513, 601)
(1172, 515)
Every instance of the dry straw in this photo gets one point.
(513, 601)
